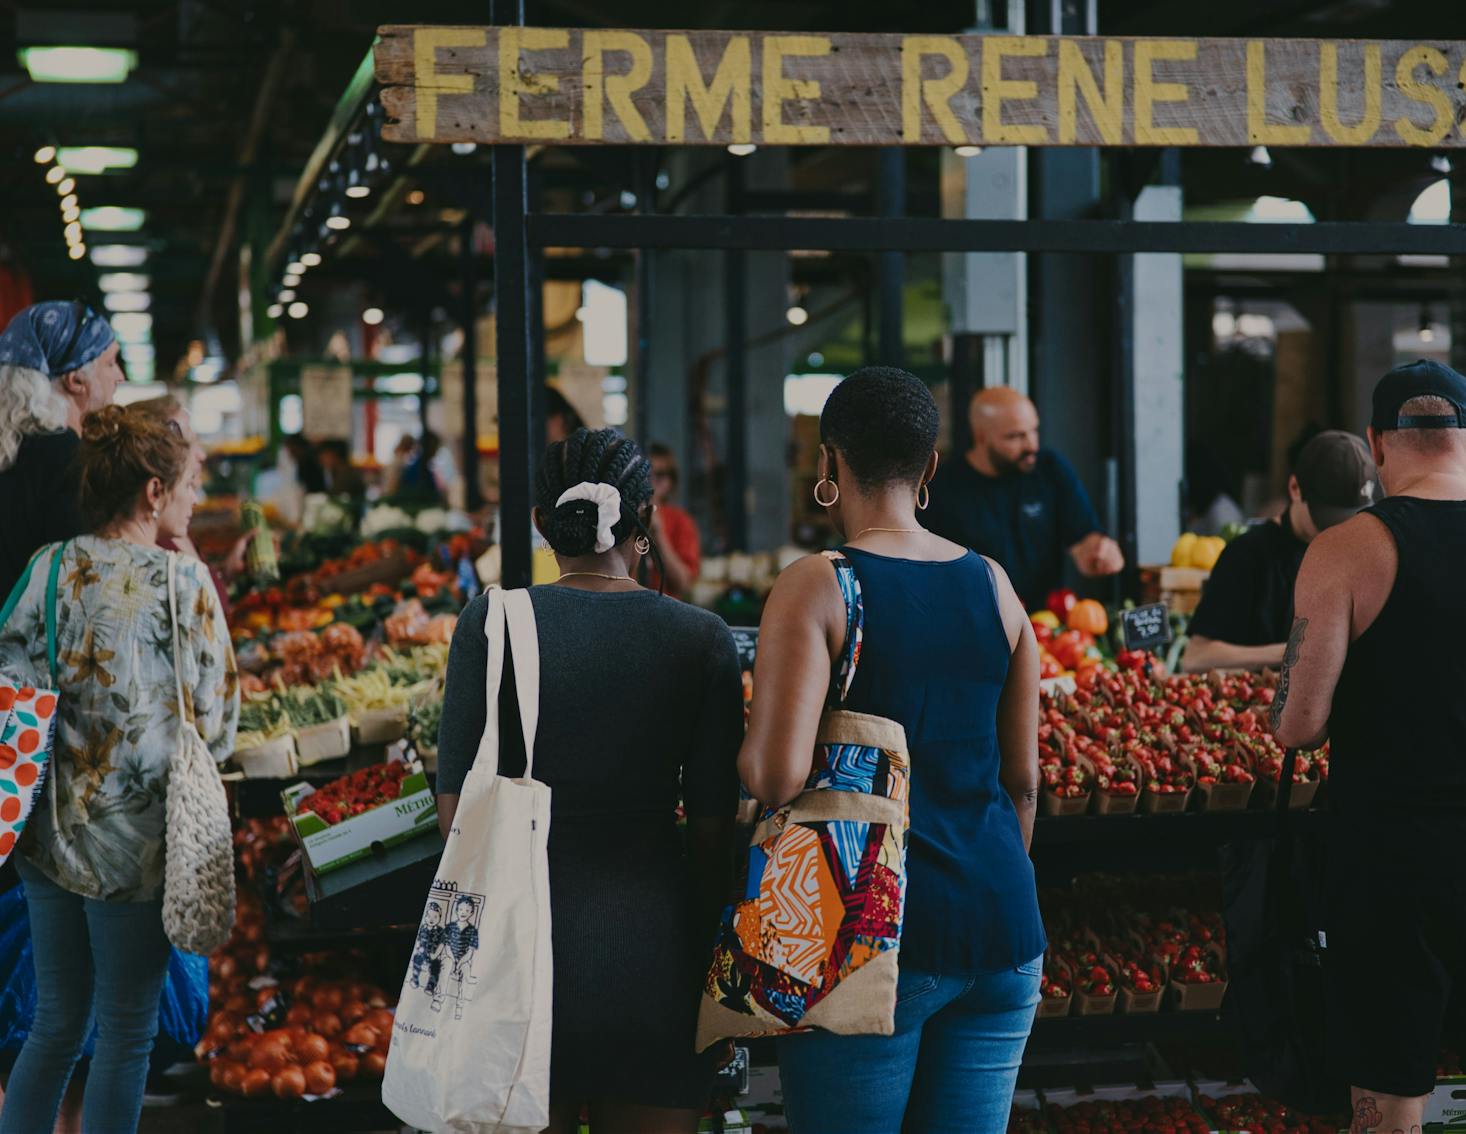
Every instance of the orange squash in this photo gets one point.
(1089, 615)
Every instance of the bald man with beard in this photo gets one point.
(1018, 503)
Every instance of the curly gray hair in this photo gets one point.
(29, 404)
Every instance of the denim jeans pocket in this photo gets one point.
(1034, 967)
(914, 983)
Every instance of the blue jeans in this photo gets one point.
(951, 1065)
(104, 957)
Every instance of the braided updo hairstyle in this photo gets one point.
(599, 456)
(122, 448)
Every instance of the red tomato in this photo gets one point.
(320, 1078)
(327, 1024)
(288, 1083)
(300, 1013)
(360, 1035)
(373, 1063)
(328, 999)
(381, 1019)
(268, 1056)
(232, 1077)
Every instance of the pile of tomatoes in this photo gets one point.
(355, 793)
(330, 1033)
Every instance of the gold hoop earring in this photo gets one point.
(923, 498)
(826, 503)
(642, 544)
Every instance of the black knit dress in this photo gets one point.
(640, 705)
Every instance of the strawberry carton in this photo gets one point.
(1096, 990)
(1198, 979)
(1055, 989)
(1117, 782)
(1168, 782)
(1224, 776)
(1269, 757)
(349, 818)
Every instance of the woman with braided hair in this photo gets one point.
(640, 705)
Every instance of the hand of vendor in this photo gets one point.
(1097, 555)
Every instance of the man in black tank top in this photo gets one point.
(1374, 664)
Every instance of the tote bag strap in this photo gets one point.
(19, 589)
(52, 585)
(843, 676)
(510, 620)
(177, 646)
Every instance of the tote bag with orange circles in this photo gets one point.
(27, 722)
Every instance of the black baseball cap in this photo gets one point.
(1336, 477)
(1419, 379)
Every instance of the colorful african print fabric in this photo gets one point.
(811, 937)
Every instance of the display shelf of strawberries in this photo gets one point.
(1258, 1114)
(1119, 947)
(1149, 1114)
(1126, 740)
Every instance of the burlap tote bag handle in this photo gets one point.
(198, 863)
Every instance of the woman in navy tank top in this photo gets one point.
(948, 652)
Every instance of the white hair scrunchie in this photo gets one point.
(608, 509)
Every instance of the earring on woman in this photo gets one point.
(642, 544)
(824, 480)
(923, 497)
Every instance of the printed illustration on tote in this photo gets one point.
(447, 943)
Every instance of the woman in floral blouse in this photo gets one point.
(92, 854)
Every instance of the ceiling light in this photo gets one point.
(1260, 156)
(290, 280)
(70, 213)
(77, 251)
(1427, 331)
(112, 218)
(463, 149)
(119, 255)
(73, 232)
(286, 295)
(275, 310)
(133, 327)
(1440, 163)
(310, 259)
(67, 187)
(96, 159)
(294, 268)
(127, 301)
(967, 151)
(797, 315)
(339, 223)
(416, 197)
(297, 310)
(372, 316)
(357, 192)
(45, 155)
(68, 201)
(77, 64)
(122, 281)
(742, 149)
(139, 352)
(54, 174)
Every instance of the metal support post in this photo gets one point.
(472, 494)
(645, 284)
(735, 307)
(891, 271)
(511, 306)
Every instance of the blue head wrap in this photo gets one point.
(45, 337)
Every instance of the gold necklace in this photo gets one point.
(902, 531)
(595, 575)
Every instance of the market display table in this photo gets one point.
(387, 888)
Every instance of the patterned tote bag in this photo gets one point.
(811, 936)
(27, 720)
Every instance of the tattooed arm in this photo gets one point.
(1314, 656)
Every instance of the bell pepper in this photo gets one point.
(1061, 602)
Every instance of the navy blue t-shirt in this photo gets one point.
(1026, 521)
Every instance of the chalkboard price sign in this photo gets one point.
(746, 639)
(1145, 627)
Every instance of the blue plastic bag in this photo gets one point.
(182, 1012)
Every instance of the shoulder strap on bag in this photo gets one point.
(19, 589)
(511, 619)
(849, 582)
(177, 646)
(51, 588)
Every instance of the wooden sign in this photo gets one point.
(325, 402)
(1145, 627)
(613, 87)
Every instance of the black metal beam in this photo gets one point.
(735, 327)
(473, 495)
(928, 234)
(891, 263)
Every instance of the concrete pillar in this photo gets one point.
(1159, 406)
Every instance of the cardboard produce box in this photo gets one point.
(328, 847)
